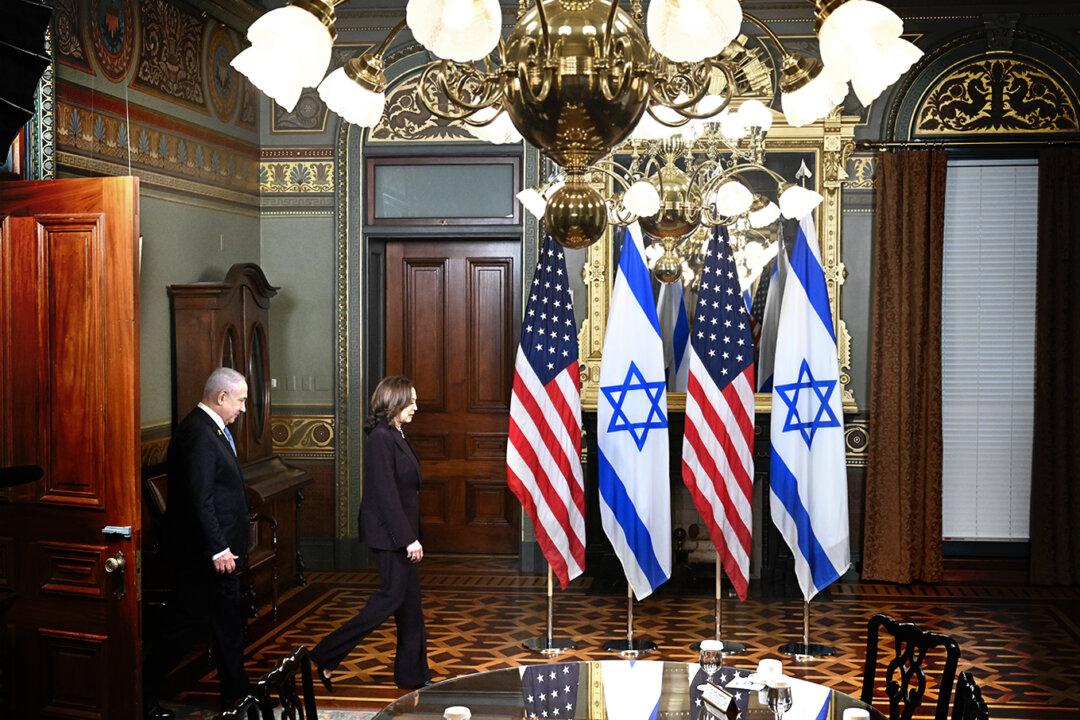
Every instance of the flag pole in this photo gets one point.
(630, 649)
(807, 651)
(549, 645)
(731, 647)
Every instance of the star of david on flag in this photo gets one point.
(817, 393)
(807, 469)
(635, 382)
(632, 426)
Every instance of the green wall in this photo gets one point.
(297, 254)
(182, 242)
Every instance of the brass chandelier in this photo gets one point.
(576, 77)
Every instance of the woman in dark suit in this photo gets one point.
(390, 525)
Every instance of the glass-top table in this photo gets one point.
(609, 690)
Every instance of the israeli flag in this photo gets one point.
(632, 426)
(808, 477)
(675, 330)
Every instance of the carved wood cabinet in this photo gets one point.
(226, 324)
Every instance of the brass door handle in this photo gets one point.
(116, 563)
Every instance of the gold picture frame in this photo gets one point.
(829, 142)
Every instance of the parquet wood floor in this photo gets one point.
(1022, 643)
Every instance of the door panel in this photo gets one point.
(451, 326)
(69, 403)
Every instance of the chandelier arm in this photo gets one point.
(542, 15)
(626, 75)
(610, 25)
(527, 88)
(612, 174)
(767, 30)
(736, 170)
(389, 37)
(700, 170)
(436, 73)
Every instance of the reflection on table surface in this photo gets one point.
(609, 690)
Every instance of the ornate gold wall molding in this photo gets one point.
(996, 94)
(860, 172)
(303, 436)
(296, 176)
(856, 439)
(406, 119)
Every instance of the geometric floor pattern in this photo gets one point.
(1022, 643)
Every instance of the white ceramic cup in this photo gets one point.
(457, 712)
(856, 714)
(712, 645)
(769, 668)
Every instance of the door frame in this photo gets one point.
(359, 334)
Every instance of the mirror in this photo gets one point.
(257, 390)
(824, 147)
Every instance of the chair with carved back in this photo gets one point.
(969, 703)
(905, 675)
(157, 582)
(289, 686)
(246, 708)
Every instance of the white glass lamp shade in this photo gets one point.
(350, 100)
(692, 30)
(732, 198)
(754, 113)
(797, 202)
(731, 126)
(764, 216)
(290, 50)
(884, 67)
(642, 199)
(533, 201)
(497, 131)
(459, 30)
(852, 31)
(815, 100)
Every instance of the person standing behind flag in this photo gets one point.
(632, 426)
(808, 474)
(543, 452)
(718, 441)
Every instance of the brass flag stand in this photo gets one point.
(549, 645)
(731, 647)
(631, 648)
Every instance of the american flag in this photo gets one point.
(550, 691)
(718, 463)
(543, 455)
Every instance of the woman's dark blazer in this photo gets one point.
(389, 508)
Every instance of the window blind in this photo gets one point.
(988, 348)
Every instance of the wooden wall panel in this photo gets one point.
(489, 297)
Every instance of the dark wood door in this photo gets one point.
(451, 326)
(69, 379)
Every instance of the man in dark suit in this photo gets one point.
(206, 535)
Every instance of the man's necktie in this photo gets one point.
(228, 436)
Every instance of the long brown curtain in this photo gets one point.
(902, 537)
(1055, 464)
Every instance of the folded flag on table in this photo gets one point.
(632, 688)
(550, 691)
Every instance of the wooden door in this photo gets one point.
(69, 403)
(452, 317)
